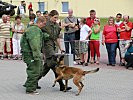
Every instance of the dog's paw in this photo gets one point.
(77, 94)
(64, 90)
(53, 85)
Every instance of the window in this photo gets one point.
(41, 6)
(65, 6)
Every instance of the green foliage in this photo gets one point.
(103, 21)
(24, 20)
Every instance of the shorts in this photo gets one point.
(122, 45)
(83, 47)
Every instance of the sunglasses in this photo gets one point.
(111, 20)
(96, 20)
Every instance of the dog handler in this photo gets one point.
(53, 29)
(31, 44)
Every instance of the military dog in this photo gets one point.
(65, 72)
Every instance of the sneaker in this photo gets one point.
(38, 87)
(130, 68)
(113, 65)
(75, 62)
(9, 57)
(20, 58)
(91, 62)
(80, 63)
(86, 64)
(15, 58)
(122, 64)
(32, 92)
(109, 64)
(97, 62)
(2, 57)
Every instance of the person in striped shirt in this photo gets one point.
(5, 28)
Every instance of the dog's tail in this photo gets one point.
(92, 71)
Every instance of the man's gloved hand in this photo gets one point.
(32, 60)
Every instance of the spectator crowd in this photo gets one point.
(42, 36)
(83, 34)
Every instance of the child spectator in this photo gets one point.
(85, 32)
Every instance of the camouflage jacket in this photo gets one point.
(53, 30)
(32, 40)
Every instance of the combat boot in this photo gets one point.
(62, 87)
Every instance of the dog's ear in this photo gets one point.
(61, 58)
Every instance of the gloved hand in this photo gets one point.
(63, 51)
(32, 60)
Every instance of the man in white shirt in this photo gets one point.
(118, 19)
(21, 9)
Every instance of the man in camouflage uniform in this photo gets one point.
(53, 29)
(31, 44)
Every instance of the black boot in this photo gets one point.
(38, 87)
(62, 87)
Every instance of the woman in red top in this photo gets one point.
(110, 39)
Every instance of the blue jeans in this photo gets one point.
(111, 49)
(69, 38)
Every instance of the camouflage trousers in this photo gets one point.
(50, 64)
(34, 70)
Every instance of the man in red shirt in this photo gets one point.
(125, 30)
(89, 22)
(117, 23)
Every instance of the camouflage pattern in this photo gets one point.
(31, 46)
(49, 49)
(53, 30)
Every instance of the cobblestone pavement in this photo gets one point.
(110, 83)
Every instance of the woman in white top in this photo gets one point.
(85, 32)
(18, 30)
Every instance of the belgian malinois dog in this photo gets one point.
(65, 72)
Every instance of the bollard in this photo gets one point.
(68, 59)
